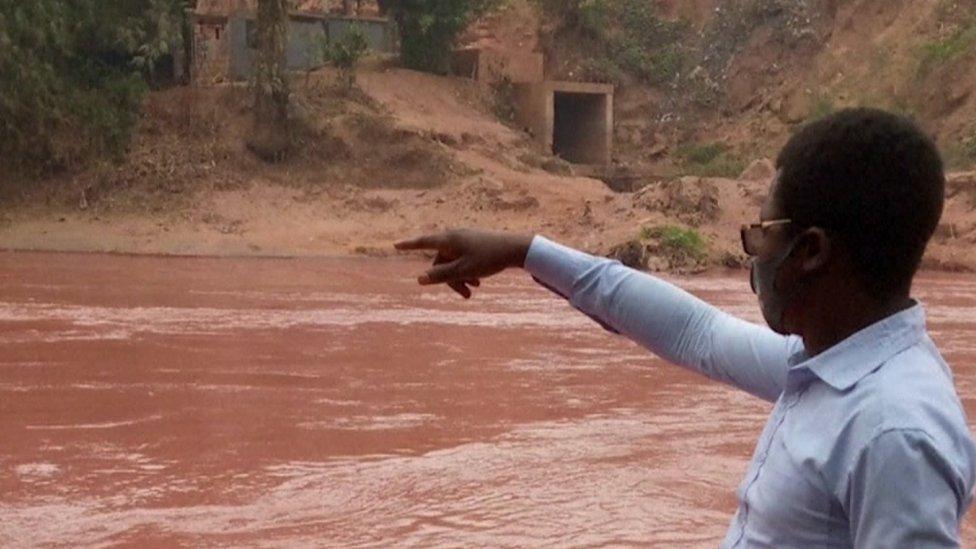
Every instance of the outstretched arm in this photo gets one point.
(666, 320)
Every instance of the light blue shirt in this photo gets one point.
(867, 445)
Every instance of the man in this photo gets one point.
(867, 445)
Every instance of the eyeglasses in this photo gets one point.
(752, 235)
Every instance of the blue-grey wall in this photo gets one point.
(305, 39)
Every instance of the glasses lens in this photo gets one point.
(751, 240)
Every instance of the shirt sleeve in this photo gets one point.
(903, 492)
(665, 319)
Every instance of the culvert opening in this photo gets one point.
(581, 127)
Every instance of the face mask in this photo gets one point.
(763, 281)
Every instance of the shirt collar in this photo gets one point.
(847, 362)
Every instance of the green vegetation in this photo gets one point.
(503, 99)
(953, 46)
(710, 160)
(791, 23)
(345, 53)
(73, 75)
(429, 29)
(627, 36)
(682, 246)
(821, 107)
(903, 107)
(961, 155)
(602, 69)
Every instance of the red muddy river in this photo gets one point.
(171, 402)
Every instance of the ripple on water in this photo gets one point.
(599, 449)
(124, 322)
(371, 422)
(90, 426)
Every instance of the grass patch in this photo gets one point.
(961, 155)
(821, 107)
(680, 245)
(710, 160)
(902, 107)
(960, 42)
(602, 69)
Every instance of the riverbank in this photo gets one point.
(408, 153)
(267, 219)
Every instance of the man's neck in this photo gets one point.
(834, 324)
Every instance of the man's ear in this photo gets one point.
(814, 250)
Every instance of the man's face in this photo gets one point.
(772, 252)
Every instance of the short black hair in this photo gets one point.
(875, 182)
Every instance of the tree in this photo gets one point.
(272, 137)
(159, 35)
(429, 29)
(72, 76)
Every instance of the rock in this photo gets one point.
(734, 261)
(760, 170)
(372, 251)
(691, 199)
(961, 179)
(946, 231)
(557, 166)
(657, 147)
(962, 183)
(795, 109)
(373, 204)
(491, 196)
(468, 139)
(446, 139)
(630, 253)
(955, 98)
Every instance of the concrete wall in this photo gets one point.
(302, 51)
(533, 108)
(490, 66)
(233, 56)
(570, 119)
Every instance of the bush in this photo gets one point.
(628, 37)
(503, 99)
(957, 44)
(73, 74)
(961, 155)
(710, 160)
(344, 54)
(429, 30)
(682, 247)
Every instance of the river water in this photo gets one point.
(167, 402)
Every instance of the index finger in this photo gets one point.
(426, 242)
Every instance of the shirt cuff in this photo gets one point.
(554, 265)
